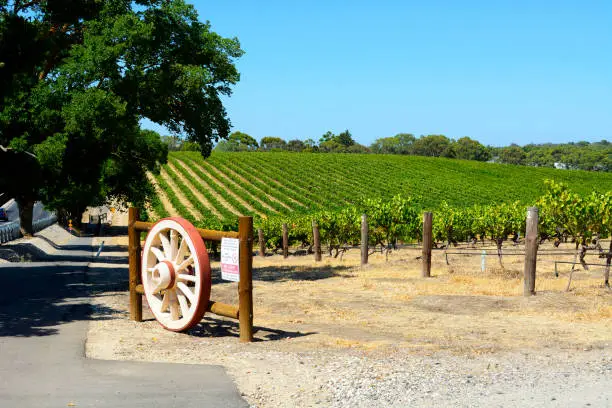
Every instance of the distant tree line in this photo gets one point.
(595, 156)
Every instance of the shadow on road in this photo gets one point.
(41, 298)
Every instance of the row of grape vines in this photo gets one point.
(276, 194)
(563, 214)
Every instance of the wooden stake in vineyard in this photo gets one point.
(364, 240)
(608, 261)
(427, 243)
(285, 241)
(262, 243)
(317, 241)
(531, 251)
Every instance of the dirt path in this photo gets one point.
(162, 197)
(269, 197)
(195, 192)
(206, 185)
(224, 186)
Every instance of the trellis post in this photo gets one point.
(427, 242)
(531, 251)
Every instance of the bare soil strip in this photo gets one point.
(269, 197)
(195, 192)
(179, 194)
(206, 185)
(162, 197)
(224, 185)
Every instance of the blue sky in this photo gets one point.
(500, 72)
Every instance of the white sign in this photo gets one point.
(230, 259)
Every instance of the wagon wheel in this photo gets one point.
(176, 274)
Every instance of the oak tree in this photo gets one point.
(77, 77)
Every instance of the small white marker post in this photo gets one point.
(483, 261)
(230, 259)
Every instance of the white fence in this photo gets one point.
(10, 230)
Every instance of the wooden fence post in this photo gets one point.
(317, 241)
(245, 285)
(427, 241)
(364, 239)
(285, 241)
(134, 265)
(607, 270)
(262, 243)
(531, 251)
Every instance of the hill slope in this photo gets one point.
(258, 183)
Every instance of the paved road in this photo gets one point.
(44, 309)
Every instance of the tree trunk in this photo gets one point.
(26, 213)
(583, 251)
(448, 244)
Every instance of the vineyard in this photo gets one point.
(471, 201)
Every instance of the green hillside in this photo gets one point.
(268, 183)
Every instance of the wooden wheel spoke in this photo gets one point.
(186, 277)
(166, 244)
(158, 253)
(174, 236)
(174, 306)
(184, 306)
(182, 251)
(165, 302)
(187, 292)
(185, 264)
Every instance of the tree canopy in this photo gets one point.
(77, 78)
(237, 142)
(398, 144)
(468, 149)
(269, 143)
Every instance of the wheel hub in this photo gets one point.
(163, 276)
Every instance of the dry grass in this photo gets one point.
(460, 308)
(387, 305)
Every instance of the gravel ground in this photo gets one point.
(292, 364)
(286, 373)
(501, 380)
